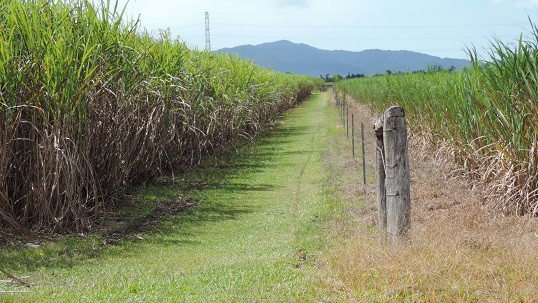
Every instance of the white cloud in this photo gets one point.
(295, 3)
(528, 4)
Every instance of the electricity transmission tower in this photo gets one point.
(207, 36)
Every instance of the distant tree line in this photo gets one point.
(431, 69)
(334, 78)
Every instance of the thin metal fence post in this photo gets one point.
(347, 121)
(339, 104)
(342, 109)
(353, 134)
(363, 155)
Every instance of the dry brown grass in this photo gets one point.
(461, 251)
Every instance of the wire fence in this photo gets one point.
(392, 168)
(343, 110)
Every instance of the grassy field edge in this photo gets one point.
(257, 233)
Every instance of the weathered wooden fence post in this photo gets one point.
(380, 174)
(393, 181)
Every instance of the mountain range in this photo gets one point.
(285, 56)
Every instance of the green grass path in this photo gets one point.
(255, 236)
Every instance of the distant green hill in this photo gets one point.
(285, 56)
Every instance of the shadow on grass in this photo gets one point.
(165, 213)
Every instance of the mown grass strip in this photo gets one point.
(255, 235)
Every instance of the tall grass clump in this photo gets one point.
(92, 104)
(487, 116)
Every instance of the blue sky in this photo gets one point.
(440, 28)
